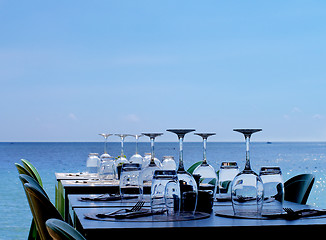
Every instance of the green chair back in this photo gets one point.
(24, 178)
(60, 230)
(193, 167)
(297, 189)
(22, 170)
(41, 207)
(32, 170)
(28, 179)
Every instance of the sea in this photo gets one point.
(49, 157)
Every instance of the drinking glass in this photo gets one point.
(147, 160)
(165, 191)
(122, 158)
(247, 192)
(273, 189)
(130, 181)
(92, 164)
(188, 185)
(136, 158)
(107, 168)
(227, 173)
(208, 176)
(169, 163)
(148, 171)
(105, 135)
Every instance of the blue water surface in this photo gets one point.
(48, 158)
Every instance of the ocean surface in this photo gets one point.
(48, 158)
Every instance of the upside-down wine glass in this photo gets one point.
(122, 158)
(188, 185)
(136, 158)
(148, 171)
(208, 176)
(247, 191)
(105, 135)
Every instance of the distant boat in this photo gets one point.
(269, 142)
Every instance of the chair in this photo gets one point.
(22, 170)
(25, 177)
(41, 208)
(297, 188)
(60, 230)
(193, 167)
(32, 170)
(28, 179)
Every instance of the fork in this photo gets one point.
(291, 214)
(135, 208)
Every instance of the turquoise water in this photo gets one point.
(48, 158)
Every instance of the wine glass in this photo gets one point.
(136, 158)
(188, 185)
(122, 158)
(148, 171)
(168, 163)
(208, 176)
(105, 135)
(247, 190)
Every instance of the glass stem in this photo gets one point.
(106, 139)
(204, 150)
(152, 150)
(136, 144)
(122, 152)
(181, 167)
(247, 138)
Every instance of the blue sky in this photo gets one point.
(72, 69)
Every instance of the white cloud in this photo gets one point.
(132, 118)
(317, 116)
(72, 116)
(296, 110)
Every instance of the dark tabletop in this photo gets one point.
(212, 225)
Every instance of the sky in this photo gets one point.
(72, 69)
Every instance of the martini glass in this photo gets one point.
(247, 191)
(208, 176)
(188, 185)
(122, 158)
(136, 158)
(105, 135)
(148, 171)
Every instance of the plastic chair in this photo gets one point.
(22, 170)
(25, 178)
(193, 167)
(32, 170)
(297, 188)
(28, 179)
(60, 230)
(41, 207)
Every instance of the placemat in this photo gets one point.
(154, 218)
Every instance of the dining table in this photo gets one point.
(220, 221)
